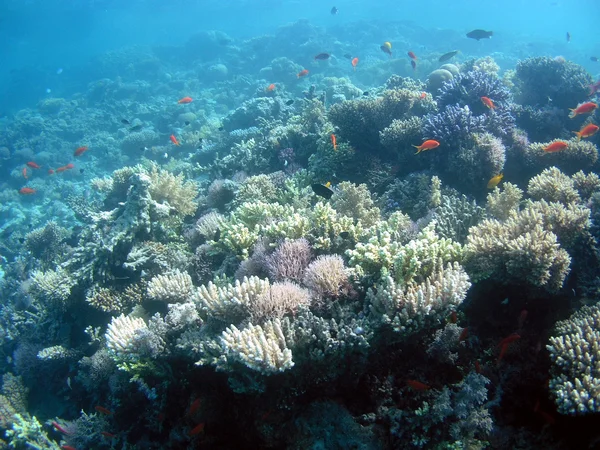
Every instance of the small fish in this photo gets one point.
(587, 131)
(480, 34)
(217, 235)
(413, 64)
(387, 44)
(136, 127)
(59, 428)
(495, 181)
(24, 172)
(26, 191)
(344, 235)
(477, 366)
(289, 102)
(194, 406)
(80, 151)
(271, 87)
(174, 140)
(347, 56)
(333, 141)
(522, 318)
(302, 73)
(103, 410)
(322, 190)
(556, 147)
(322, 56)
(334, 11)
(385, 49)
(187, 122)
(125, 122)
(50, 171)
(594, 58)
(412, 56)
(107, 434)
(81, 171)
(448, 56)
(453, 318)
(423, 95)
(63, 168)
(197, 429)
(366, 93)
(584, 108)
(488, 102)
(427, 145)
(417, 385)
(354, 62)
(568, 37)
(221, 128)
(34, 165)
(185, 100)
(463, 334)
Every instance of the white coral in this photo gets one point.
(261, 348)
(120, 336)
(174, 287)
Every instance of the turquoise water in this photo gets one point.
(216, 231)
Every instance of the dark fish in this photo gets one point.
(322, 56)
(289, 102)
(344, 235)
(136, 128)
(221, 128)
(21, 240)
(187, 122)
(125, 122)
(366, 93)
(334, 11)
(568, 37)
(447, 56)
(413, 64)
(348, 56)
(480, 34)
(322, 190)
(594, 58)
(81, 170)
(386, 49)
(217, 235)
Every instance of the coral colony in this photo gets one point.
(266, 263)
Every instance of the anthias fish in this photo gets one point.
(584, 108)
(479, 34)
(302, 73)
(80, 151)
(354, 62)
(448, 56)
(185, 100)
(488, 102)
(587, 131)
(411, 55)
(556, 147)
(429, 144)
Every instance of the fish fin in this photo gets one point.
(578, 135)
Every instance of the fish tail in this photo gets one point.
(419, 149)
(578, 135)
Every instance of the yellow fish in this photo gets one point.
(328, 184)
(388, 44)
(495, 181)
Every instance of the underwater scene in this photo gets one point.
(273, 224)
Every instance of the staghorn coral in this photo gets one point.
(586, 184)
(174, 287)
(455, 215)
(13, 399)
(120, 336)
(58, 353)
(28, 432)
(256, 188)
(554, 186)
(504, 201)
(52, 287)
(326, 275)
(289, 260)
(105, 299)
(355, 201)
(574, 353)
(172, 190)
(408, 308)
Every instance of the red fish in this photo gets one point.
(488, 102)
(271, 87)
(302, 73)
(502, 353)
(477, 367)
(67, 447)
(107, 434)
(333, 141)
(556, 147)
(354, 62)
(587, 131)
(453, 317)
(427, 145)
(584, 108)
(174, 140)
(194, 406)
(26, 191)
(80, 151)
(50, 171)
(59, 428)
(103, 410)
(423, 95)
(197, 429)
(185, 100)
(33, 165)
(509, 339)
(67, 167)
(417, 385)
(24, 172)
(412, 56)
(463, 334)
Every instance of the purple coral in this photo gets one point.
(453, 126)
(466, 89)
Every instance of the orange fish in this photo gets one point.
(556, 147)
(33, 165)
(584, 108)
(427, 145)
(63, 168)
(507, 340)
(194, 406)
(24, 172)
(423, 95)
(502, 353)
(50, 172)
(411, 55)
(26, 191)
(302, 73)
(174, 140)
(333, 141)
(354, 62)
(488, 102)
(271, 87)
(103, 410)
(185, 100)
(477, 367)
(80, 151)
(60, 428)
(107, 434)
(417, 385)
(197, 429)
(587, 131)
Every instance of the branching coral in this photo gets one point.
(579, 155)
(166, 188)
(466, 89)
(282, 298)
(289, 260)
(326, 275)
(503, 202)
(46, 244)
(52, 287)
(355, 201)
(455, 216)
(175, 287)
(554, 186)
